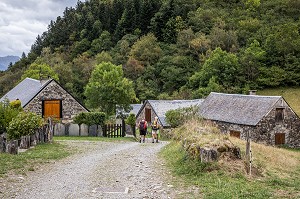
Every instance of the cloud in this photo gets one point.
(22, 21)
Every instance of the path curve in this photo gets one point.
(102, 170)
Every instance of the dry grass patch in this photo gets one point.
(271, 160)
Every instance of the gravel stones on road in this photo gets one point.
(101, 170)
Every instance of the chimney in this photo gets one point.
(252, 92)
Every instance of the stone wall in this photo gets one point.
(71, 129)
(264, 132)
(53, 91)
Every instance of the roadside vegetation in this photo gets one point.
(275, 171)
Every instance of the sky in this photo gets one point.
(21, 21)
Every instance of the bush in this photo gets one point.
(7, 113)
(90, 118)
(25, 123)
(179, 116)
(131, 120)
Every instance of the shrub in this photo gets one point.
(25, 123)
(180, 116)
(131, 119)
(7, 113)
(90, 118)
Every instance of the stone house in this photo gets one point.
(266, 119)
(46, 98)
(153, 108)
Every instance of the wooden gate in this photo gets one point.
(279, 138)
(114, 130)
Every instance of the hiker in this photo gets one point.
(155, 128)
(143, 130)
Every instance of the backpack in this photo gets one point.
(142, 126)
(155, 125)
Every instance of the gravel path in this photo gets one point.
(102, 170)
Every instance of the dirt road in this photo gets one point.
(101, 170)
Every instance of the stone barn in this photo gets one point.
(266, 119)
(153, 108)
(46, 98)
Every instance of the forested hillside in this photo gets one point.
(170, 48)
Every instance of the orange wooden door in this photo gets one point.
(279, 138)
(52, 108)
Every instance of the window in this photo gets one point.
(235, 134)
(279, 115)
(52, 108)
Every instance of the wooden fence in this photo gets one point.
(114, 130)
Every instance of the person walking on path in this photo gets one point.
(155, 128)
(143, 130)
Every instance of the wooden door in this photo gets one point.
(148, 114)
(279, 138)
(235, 134)
(52, 108)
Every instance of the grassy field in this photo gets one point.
(30, 159)
(291, 95)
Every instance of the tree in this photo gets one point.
(107, 88)
(146, 50)
(37, 71)
(221, 65)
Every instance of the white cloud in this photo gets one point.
(22, 21)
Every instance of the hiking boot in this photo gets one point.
(140, 140)
(156, 141)
(144, 140)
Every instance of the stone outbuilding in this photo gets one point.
(159, 108)
(266, 119)
(46, 98)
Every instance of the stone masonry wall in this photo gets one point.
(264, 132)
(53, 91)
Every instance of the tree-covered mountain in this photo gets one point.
(6, 61)
(171, 48)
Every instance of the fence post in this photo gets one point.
(123, 128)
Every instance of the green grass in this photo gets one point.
(215, 182)
(28, 160)
(291, 95)
(104, 139)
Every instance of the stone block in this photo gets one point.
(60, 129)
(100, 131)
(73, 129)
(84, 130)
(93, 131)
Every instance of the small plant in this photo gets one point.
(25, 123)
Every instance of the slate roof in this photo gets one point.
(160, 107)
(135, 108)
(25, 90)
(236, 108)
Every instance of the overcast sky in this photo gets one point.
(21, 21)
